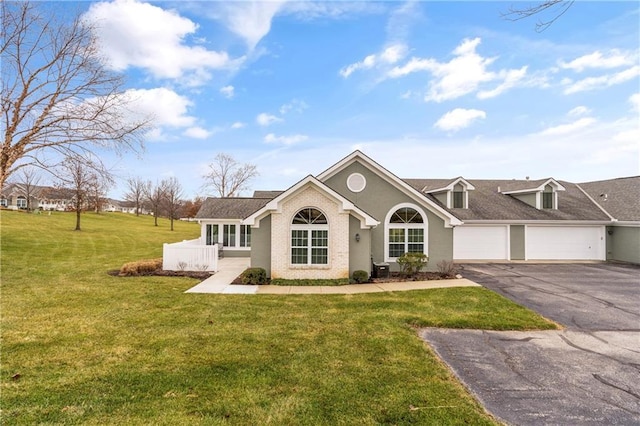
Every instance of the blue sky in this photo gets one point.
(427, 89)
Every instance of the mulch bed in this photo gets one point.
(162, 273)
(395, 277)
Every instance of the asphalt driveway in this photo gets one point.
(586, 374)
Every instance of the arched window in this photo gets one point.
(406, 231)
(309, 238)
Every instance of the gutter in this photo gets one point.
(539, 222)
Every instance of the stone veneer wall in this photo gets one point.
(338, 266)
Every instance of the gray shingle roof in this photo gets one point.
(486, 202)
(266, 194)
(230, 207)
(619, 197)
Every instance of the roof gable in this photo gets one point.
(449, 218)
(275, 204)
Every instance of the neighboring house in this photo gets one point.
(357, 213)
(14, 197)
(620, 199)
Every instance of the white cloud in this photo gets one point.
(228, 91)
(578, 111)
(389, 56)
(285, 140)
(634, 100)
(459, 118)
(265, 119)
(155, 43)
(238, 125)
(197, 133)
(510, 78)
(461, 75)
(295, 105)
(604, 81)
(250, 20)
(566, 129)
(614, 59)
(166, 106)
(309, 10)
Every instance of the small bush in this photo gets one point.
(446, 268)
(140, 267)
(412, 263)
(360, 276)
(254, 276)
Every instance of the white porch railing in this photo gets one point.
(190, 255)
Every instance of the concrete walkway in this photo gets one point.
(230, 268)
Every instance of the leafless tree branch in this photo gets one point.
(559, 8)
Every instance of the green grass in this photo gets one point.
(82, 347)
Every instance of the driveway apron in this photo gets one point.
(586, 374)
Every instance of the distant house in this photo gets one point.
(14, 196)
(357, 214)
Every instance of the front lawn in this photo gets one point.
(81, 346)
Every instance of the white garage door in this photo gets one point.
(565, 243)
(480, 243)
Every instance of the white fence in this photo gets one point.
(189, 255)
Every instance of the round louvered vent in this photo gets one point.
(356, 182)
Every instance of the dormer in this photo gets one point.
(455, 195)
(542, 196)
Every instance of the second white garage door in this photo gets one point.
(565, 243)
(481, 243)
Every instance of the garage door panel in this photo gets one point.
(480, 243)
(565, 243)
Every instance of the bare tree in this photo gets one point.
(557, 8)
(227, 177)
(57, 95)
(172, 195)
(29, 179)
(80, 175)
(97, 191)
(136, 194)
(155, 196)
(191, 207)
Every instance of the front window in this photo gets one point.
(21, 202)
(458, 200)
(212, 235)
(3, 202)
(245, 236)
(229, 236)
(547, 200)
(406, 232)
(309, 238)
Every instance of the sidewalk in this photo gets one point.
(220, 283)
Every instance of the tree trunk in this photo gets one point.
(78, 211)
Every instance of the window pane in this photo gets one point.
(299, 238)
(309, 216)
(396, 235)
(229, 236)
(416, 235)
(415, 248)
(406, 215)
(458, 200)
(212, 235)
(319, 256)
(396, 250)
(298, 256)
(319, 238)
(245, 236)
(547, 200)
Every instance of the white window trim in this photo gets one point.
(425, 227)
(221, 223)
(309, 229)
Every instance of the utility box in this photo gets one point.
(380, 270)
